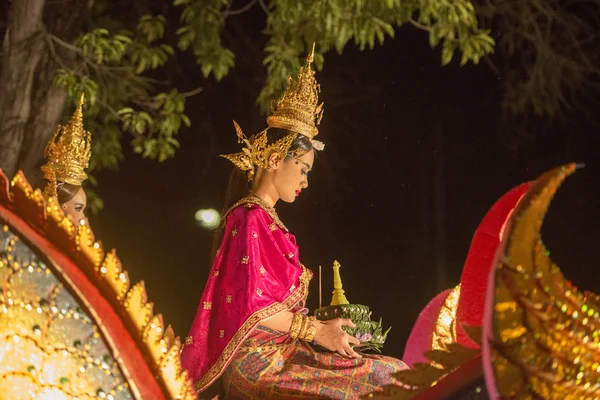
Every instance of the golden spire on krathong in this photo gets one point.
(68, 153)
(297, 110)
(338, 292)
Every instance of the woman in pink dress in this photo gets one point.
(251, 327)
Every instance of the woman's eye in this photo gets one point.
(304, 172)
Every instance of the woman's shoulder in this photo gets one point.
(250, 208)
(243, 210)
(247, 208)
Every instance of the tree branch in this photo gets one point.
(192, 92)
(418, 25)
(264, 7)
(65, 44)
(240, 10)
(55, 56)
(492, 66)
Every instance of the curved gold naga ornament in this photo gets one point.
(544, 338)
(444, 330)
(70, 324)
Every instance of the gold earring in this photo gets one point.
(64, 207)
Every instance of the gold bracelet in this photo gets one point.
(310, 333)
(296, 326)
(310, 330)
(305, 324)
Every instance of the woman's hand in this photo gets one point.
(331, 336)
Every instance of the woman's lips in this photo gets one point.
(298, 192)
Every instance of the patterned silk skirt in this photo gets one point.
(270, 365)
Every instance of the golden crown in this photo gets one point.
(297, 110)
(68, 153)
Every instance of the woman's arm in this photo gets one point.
(280, 322)
(329, 333)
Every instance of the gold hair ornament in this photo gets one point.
(256, 153)
(67, 153)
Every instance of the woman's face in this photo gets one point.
(291, 176)
(75, 207)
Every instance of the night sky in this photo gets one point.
(372, 199)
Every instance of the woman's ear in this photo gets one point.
(275, 161)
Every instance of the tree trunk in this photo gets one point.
(48, 101)
(30, 106)
(21, 54)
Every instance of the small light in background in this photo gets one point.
(208, 218)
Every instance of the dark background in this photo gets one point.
(415, 155)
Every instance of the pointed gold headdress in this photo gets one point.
(67, 153)
(297, 111)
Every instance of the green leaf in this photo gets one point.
(141, 66)
(122, 38)
(125, 110)
(447, 52)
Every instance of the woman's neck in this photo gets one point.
(265, 191)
